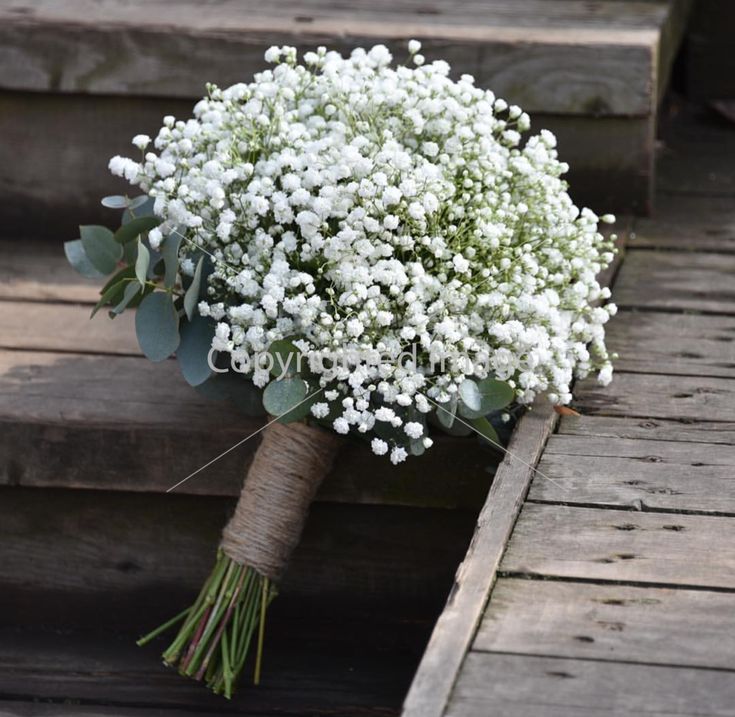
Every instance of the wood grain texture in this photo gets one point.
(35, 325)
(687, 223)
(595, 544)
(105, 422)
(456, 626)
(564, 57)
(120, 554)
(649, 475)
(610, 622)
(677, 281)
(681, 398)
(611, 157)
(38, 271)
(690, 430)
(311, 668)
(519, 686)
(685, 344)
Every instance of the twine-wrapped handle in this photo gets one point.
(288, 467)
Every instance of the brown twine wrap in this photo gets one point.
(283, 479)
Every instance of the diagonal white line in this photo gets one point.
(497, 445)
(239, 443)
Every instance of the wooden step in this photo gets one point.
(97, 73)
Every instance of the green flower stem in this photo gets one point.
(214, 642)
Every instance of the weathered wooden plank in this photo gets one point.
(614, 427)
(595, 544)
(38, 271)
(611, 157)
(610, 622)
(564, 57)
(316, 669)
(122, 555)
(687, 344)
(650, 396)
(636, 473)
(105, 422)
(455, 628)
(677, 280)
(519, 686)
(687, 223)
(35, 325)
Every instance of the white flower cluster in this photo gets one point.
(366, 209)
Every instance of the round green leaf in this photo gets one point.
(284, 398)
(134, 228)
(101, 248)
(78, 258)
(495, 394)
(447, 412)
(284, 358)
(157, 326)
(193, 351)
(141, 206)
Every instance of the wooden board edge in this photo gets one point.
(455, 629)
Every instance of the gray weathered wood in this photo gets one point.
(311, 668)
(637, 473)
(688, 344)
(456, 626)
(650, 396)
(595, 544)
(38, 271)
(562, 57)
(687, 223)
(35, 325)
(120, 553)
(677, 280)
(520, 686)
(91, 421)
(610, 622)
(615, 427)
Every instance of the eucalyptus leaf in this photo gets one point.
(193, 351)
(141, 263)
(101, 248)
(157, 326)
(284, 358)
(495, 394)
(170, 254)
(487, 431)
(130, 292)
(113, 292)
(283, 398)
(78, 258)
(478, 398)
(141, 206)
(115, 202)
(191, 297)
(134, 228)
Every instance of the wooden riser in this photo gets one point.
(79, 79)
(119, 559)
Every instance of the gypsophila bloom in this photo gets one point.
(366, 210)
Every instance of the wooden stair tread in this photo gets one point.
(558, 56)
(81, 408)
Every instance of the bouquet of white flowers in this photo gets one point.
(349, 244)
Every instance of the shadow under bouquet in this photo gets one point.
(346, 247)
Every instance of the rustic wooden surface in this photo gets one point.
(616, 593)
(563, 57)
